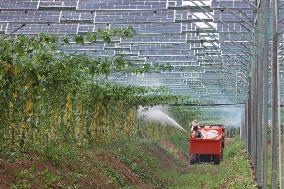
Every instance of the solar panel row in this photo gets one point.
(200, 40)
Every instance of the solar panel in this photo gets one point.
(197, 39)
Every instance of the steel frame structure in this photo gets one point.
(265, 101)
(222, 52)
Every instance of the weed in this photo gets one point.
(10, 154)
(181, 142)
(22, 184)
(145, 175)
(24, 179)
(24, 174)
(55, 155)
(113, 174)
(49, 179)
(75, 177)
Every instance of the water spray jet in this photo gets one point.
(155, 114)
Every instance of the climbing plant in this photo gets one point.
(48, 97)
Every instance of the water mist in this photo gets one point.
(157, 114)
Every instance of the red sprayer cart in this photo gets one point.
(205, 149)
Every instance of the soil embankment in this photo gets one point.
(129, 164)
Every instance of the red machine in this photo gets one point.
(207, 150)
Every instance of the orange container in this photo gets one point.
(205, 146)
(213, 148)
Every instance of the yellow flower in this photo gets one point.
(29, 106)
(15, 95)
(16, 71)
(23, 126)
(69, 108)
(68, 97)
(7, 67)
(13, 125)
(29, 84)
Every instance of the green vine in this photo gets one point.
(48, 97)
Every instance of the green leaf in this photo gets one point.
(66, 40)
(107, 38)
(91, 37)
(79, 39)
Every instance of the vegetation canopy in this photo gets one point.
(51, 97)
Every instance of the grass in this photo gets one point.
(232, 173)
(181, 141)
(129, 153)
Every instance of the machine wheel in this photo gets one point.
(216, 160)
(204, 158)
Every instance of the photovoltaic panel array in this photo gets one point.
(208, 43)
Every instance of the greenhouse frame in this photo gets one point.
(222, 52)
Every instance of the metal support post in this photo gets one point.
(274, 93)
(265, 92)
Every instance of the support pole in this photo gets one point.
(265, 92)
(274, 93)
(249, 127)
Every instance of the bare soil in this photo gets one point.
(161, 155)
(9, 175)
(123, 169)
(178, 155)
(33, 169)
